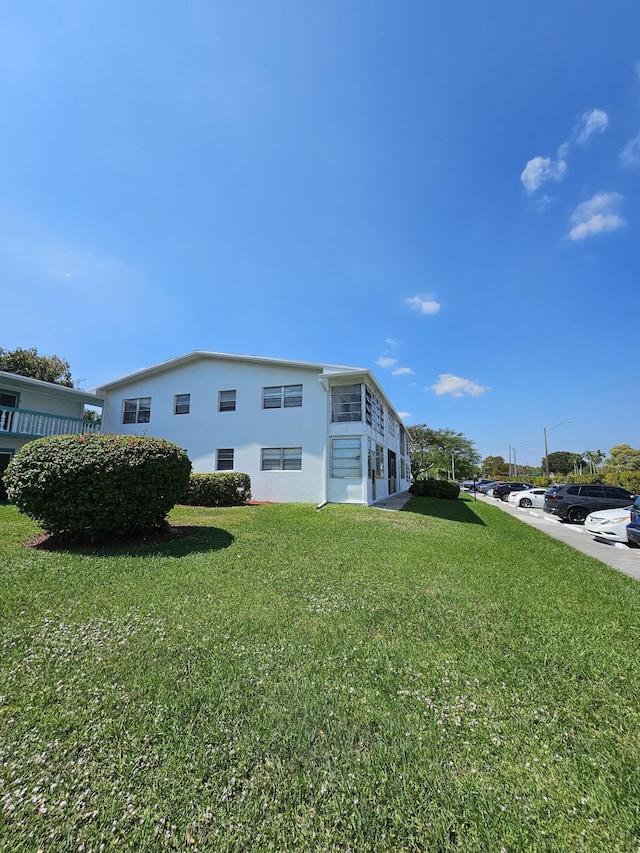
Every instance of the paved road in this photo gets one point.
(618, 556)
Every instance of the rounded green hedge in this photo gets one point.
(97, 486)
(435, 489)
(223, 488)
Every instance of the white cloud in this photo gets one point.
(384, 361)
(423, 304)
(541, 169)
(392, 342)
(456, 386)
(630, 155)
(596, 215)
(404, 415)
(403, 371)
(595, 121)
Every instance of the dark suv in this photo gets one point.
(503, 490)
(574, 502)
(633, 529)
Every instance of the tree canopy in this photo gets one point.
(623, 457)
(28, 362)
(436, 452)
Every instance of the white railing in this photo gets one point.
(38, 424)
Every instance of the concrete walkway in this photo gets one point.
(394, 503)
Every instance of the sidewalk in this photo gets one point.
(394, 503)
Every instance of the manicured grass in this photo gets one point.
(443, 678)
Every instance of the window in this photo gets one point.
(181, 404)
(346, 457)
(7, 401)
(592, 491)
(224, 459)
(616, 492)
(281, 459)
(282, 396)
(374, 411)
(346, 403)
(376, 459)
(227, 401)
(137, 411)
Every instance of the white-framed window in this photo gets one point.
(224, 459)
(282, 396)
(346, 457)
(181, 404)
(374, 411)
(136, 410)
(227, 401)
(346, 403)
(376, 459)
(281, 459)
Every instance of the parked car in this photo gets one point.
(502, 490)
(633, 528)
(474, 485)
(574, 501)
(528, 498)
(484, 489)
(609, 524)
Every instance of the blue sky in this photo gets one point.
(444, 193)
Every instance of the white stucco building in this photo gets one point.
(32, 409)
(303, 432)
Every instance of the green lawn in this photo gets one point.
(442, 678)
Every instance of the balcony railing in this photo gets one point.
(37, 424)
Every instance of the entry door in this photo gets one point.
(5, 458)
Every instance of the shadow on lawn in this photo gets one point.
(172, 542)
(440, 508)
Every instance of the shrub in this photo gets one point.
(435, 489)
(627, 479)
(227, 488)
(95, 486)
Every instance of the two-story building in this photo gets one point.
(303, 432)
(32, 409)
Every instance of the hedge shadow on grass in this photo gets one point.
(440, 508)
(174, 542)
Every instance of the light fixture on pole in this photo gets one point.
(546, 452)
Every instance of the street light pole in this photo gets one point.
(546, 453)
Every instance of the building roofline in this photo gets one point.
(325, 370)
(197, 355)
(91, 398)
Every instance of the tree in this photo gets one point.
(440, 452)
(578, 463)
(27, 362)
(495, 466)
(594, 458)
(563, 462)
(623, 457)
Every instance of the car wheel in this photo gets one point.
(526, 502)
(577, 514)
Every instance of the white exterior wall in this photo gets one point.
(247, 430)
(250, 428)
